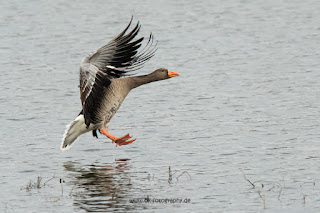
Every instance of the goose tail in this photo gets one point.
(73, 131)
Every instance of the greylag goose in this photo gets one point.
(104, 84)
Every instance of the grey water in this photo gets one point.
(239, 128)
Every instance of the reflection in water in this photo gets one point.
(100, 187)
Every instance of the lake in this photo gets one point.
(237, 131)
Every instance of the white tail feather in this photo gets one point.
(73, 131)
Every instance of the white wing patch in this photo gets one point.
(111, 67)
(116, 68)
(88, 73)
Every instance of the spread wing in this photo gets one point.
(114, 60)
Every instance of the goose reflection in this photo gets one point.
(101, 187)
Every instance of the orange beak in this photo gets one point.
(172, 74)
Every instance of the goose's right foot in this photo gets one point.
(123, 140)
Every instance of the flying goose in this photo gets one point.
(104, 84)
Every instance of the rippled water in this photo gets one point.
(239, 128)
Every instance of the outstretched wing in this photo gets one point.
(113, 60)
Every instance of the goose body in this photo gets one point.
(103, 85)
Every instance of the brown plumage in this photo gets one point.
(102, 90)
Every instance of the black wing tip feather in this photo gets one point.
(128, 57)
(125, 30)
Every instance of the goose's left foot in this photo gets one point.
(123, 140)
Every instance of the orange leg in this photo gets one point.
(118, 140)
